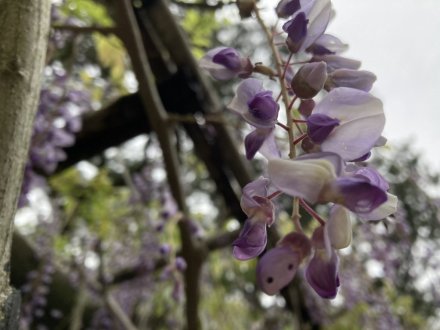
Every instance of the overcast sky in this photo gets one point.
(399, 40)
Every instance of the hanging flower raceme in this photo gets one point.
(336, 132)
(258, 108)
(260, 211)
(224, 63)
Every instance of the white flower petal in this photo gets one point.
(301, 178)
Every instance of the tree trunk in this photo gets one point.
(24, 28)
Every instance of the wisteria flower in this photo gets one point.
(224, 63)
(316, 181)
(307, 24)
(261, 213)
(259, 109)
(347, 122)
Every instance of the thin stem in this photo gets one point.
(311, 211)
(296, 141)
(296, 217)
(279, 69)
(283, 126)
(275, 194)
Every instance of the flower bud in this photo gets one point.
(309, 80)
(306, 107)
(339, 228)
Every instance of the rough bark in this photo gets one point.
(24, 28)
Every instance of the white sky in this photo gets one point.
(399, 41)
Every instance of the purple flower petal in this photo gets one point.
(251, 241)
(322, 274)
(276, 269)
(254, 140)
(382, 211)
(358, 79)
(319, 127)
(286, 8)
(373, 176)
(358, 195)
(229, 58)
(263, 108)
(225, 63)
(296, 30)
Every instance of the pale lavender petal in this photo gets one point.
(358, 79)
(270, 149)
(335, 62)
(322, 274)
(382, 211)
(319, 17)
(319, 127)
(361, 121)
(252, 240)
(301, 178)
(276, 269)
(247, 89)
(327, 44)
(257, 187)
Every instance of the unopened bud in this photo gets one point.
(309, 80)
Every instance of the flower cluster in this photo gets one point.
(332, 123)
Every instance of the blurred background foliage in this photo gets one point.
(110, 223)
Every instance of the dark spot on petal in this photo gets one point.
(290, 267)
(269, 280)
